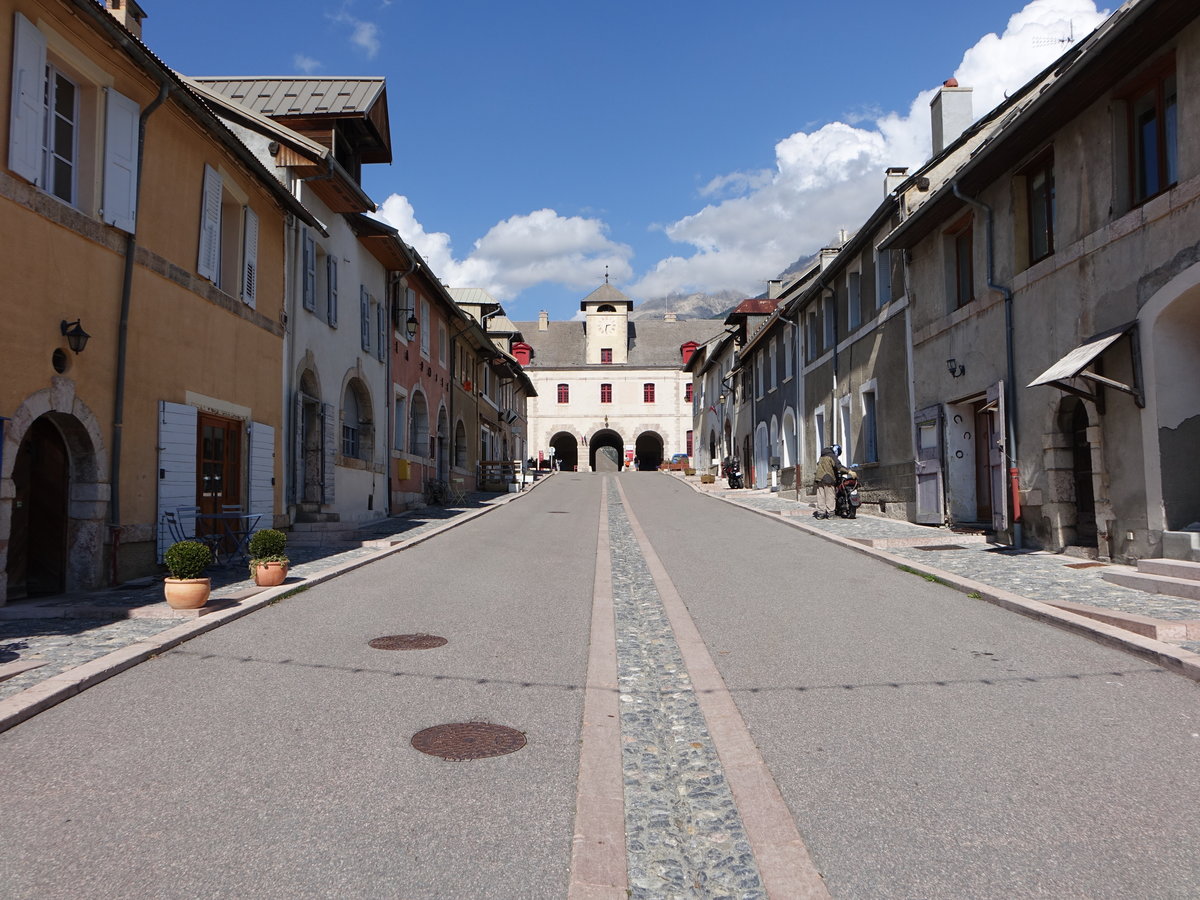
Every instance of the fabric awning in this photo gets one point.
(1075, 363)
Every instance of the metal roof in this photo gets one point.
(301, 96)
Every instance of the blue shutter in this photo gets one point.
(364, 313)
(381, 345)
(309, 262)
(262, 473)
(331, 308)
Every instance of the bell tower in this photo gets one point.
(607, 325)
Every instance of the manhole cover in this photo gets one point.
(468, 740)
(1084, 565)
(407, 642)
(944, 547)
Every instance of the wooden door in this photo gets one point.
(218, 463)
(37, 551)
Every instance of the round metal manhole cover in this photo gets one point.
(468, 740)
(407, 642)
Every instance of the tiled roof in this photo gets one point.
(652, 342)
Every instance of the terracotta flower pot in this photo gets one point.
(187, 593)
(270, 574)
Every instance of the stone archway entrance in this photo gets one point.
(648, 449)
(566, 451)
(53, 499)
(613, 459)
(37, 545)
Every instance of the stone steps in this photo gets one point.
(1175, 577)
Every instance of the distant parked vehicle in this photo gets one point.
(678, 462)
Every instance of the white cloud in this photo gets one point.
(832, 177)
(541, 247)
(306, 64)
(363, 33)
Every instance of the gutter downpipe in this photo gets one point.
(1010, 402)
(114, 477)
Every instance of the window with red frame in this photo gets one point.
(606, 355)
(564, 393)
(648, 392)
(689, 445)
(687, 392)
(606, 393)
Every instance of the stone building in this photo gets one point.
(610, 389)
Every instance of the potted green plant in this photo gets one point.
(187, 588)
(268, 557)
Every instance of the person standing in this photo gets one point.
(825, 478)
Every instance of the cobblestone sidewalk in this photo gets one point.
(1034, 574)
(43, 638)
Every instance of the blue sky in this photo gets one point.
(688, 146)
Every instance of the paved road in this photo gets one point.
(924, 744)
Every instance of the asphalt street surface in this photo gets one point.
(927, 745)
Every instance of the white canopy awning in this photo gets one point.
(1074, 364)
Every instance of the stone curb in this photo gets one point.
(1175, 659)
(54, 690)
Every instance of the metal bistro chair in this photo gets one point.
(178, 529)
(189, 520)
(458, 491)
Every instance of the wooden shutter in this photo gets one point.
(308, 259)
(331, 290)
(176, 463)
(27, 114)
(329, 443)
(250, 258)
(209, 260)
(364, 317)
(261, 478)
(120, 161)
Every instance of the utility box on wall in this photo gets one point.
(403, 470)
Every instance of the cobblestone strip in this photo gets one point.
(598, 856)
(683, 833)
(786, 869)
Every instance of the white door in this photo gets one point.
(928, 465)
(997, 456)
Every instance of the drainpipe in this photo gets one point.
(1010, 402)
(114, 478)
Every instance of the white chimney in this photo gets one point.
(828, 254)
(951, 114)
(774, 288)
(669, 317)
(543, 321)
(892, 179)
(128, 13)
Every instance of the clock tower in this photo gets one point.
(606, 324)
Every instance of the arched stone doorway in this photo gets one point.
(37, 546)
(54, 495)
(648, 450)
(613, 459)
(311, 452)
(566, 451)
(1073, 424)
(443, 433)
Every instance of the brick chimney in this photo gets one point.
(951, 114)
(543, 321)
(128, 13)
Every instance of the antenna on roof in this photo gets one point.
(606, 273)
(1068, 38)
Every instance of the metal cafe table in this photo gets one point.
(229, 532)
